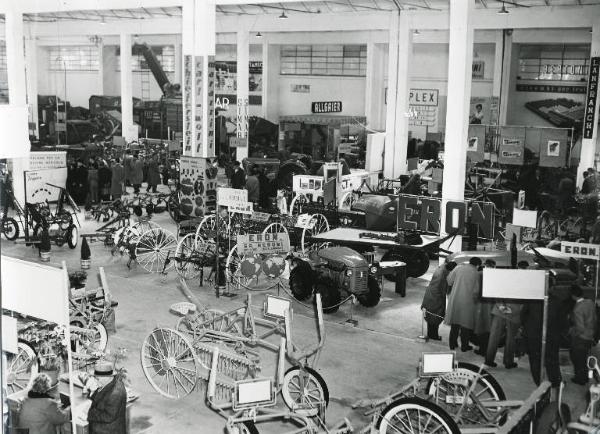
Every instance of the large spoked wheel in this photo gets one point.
(169, 363)
(72, 236)
(87, 309)
(86, 343)
(298, 203)
(319, 224)
(10, 228)
(243, 270)
(550, 421)
(21, 368)
(184, 257)
(415, 416)
(201, 324)
(487, 388)
(143, 225)
(207, 229)
(276, 229)
(304, 391)
(153, 248)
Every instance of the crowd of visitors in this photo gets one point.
(101, 180)
(454, 296)
(256, 182)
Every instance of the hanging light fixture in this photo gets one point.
(283, 16)
(503, 9)
(258, 35)
(102, 22)
(416, 32)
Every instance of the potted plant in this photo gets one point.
(86, 255)
(45, 245)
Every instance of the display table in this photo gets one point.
(345, 236)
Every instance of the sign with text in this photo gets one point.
(37, 189)
(238, 142)
(258, 216)
(326, 107)
(511, 284)
(305, 221)
(231, 196)
(254, 244)
(242, 208)
(47, 160)
(427, 97)
(549, 88)
(581, 250)
(589, 119)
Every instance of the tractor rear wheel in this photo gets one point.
(301, 280)
(330, 295)
(373, 295)
(417, 262)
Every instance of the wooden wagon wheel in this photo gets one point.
(318, 225)
(21, 368)
(86, 343)
(276, 228)
(169, 363)
(152, 249)
(298, 203)
(88, 309)
(207, 229)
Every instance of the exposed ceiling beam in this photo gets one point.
(398, 5)
(354, 6)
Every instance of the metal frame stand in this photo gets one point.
(351, 321)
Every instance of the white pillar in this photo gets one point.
(243, 76)
(497, 79)
(100, 49)
(265, 78)
(506, 68)
(271, 68)
(127, 126)
(457, 116)
(588, 146)
(17, 90)
(32, 82)
(390, 115)
(405, 48)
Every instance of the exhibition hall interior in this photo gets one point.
(300, 217)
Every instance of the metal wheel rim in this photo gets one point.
(185, 250)
(207, 225)
(169, 363)
(9, 228)
(321, 225)
(412, 419)
(21, 368)
(86, 345)
(276, 228)
(301, 389)
(297, 202)
(153, 248)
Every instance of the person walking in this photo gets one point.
(434, 300)
(460, 313)
(253, 187)
(137, 173)
(117, 179)
(93, 184)
(104, 180)
(238, 177)
(582, 333)
(153, 174)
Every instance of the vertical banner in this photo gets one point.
(242, 118)
(590, 101)
(198, 93)
(211, 107)
(187, 104)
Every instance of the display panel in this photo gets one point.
(437, 363)
(253, 392)
(276, 307)
(514, 284)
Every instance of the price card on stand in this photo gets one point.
(231, 196)
(306, 221)
(242, 208)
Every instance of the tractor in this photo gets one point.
(333, 272)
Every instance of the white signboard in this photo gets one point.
(308, 184)
(47, 160)
(231, 196)
(14, 127)
(524, 218)
(581, 250)
(305, 221)
(36, 184)
(514, 284)
(252, 244)
(35, 290)
(9, 334)
(426, 97)
(242, 208)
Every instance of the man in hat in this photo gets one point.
(107, 414)
(238, 178)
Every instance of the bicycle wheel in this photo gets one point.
(153, 248)
(415, 416)
(21, 368)
(304, 391)
(10, 228)
(169, 363)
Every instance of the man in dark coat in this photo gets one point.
(107, 414)
(434, 300)
(137, 174)
(153, 174)
(80, 186)
(582, 333)
(238, 178)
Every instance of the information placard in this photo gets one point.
(254, 244)
(47, 160)
(231, 196)
(37, 188)
(525, 218)
(514, 284)
(581, 250)
(305, 221)
(242, 208)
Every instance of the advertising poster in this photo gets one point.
(211, 107)
(475, 146)
(553, 147)
(512, 146)
(198, 90)
(480, 111)
(198, 178)
(187, 104)
(36, 184)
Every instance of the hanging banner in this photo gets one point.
(581, 250)
(475, 145)
(589, 119)
(211, 107)
(198, 113)
(553, 147)
(512, 145)
(47, 160)
(187, 104)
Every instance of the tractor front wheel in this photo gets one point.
(373, 295)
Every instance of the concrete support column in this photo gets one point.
(457, 117)
(588, 146)
(127, 126)
(497, 80)
(390, 115)
(100, 49)
(243, 77)
(505, 90)
(271, 68)
(32, 82)
(374, 83)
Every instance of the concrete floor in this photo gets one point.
(368, 361)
